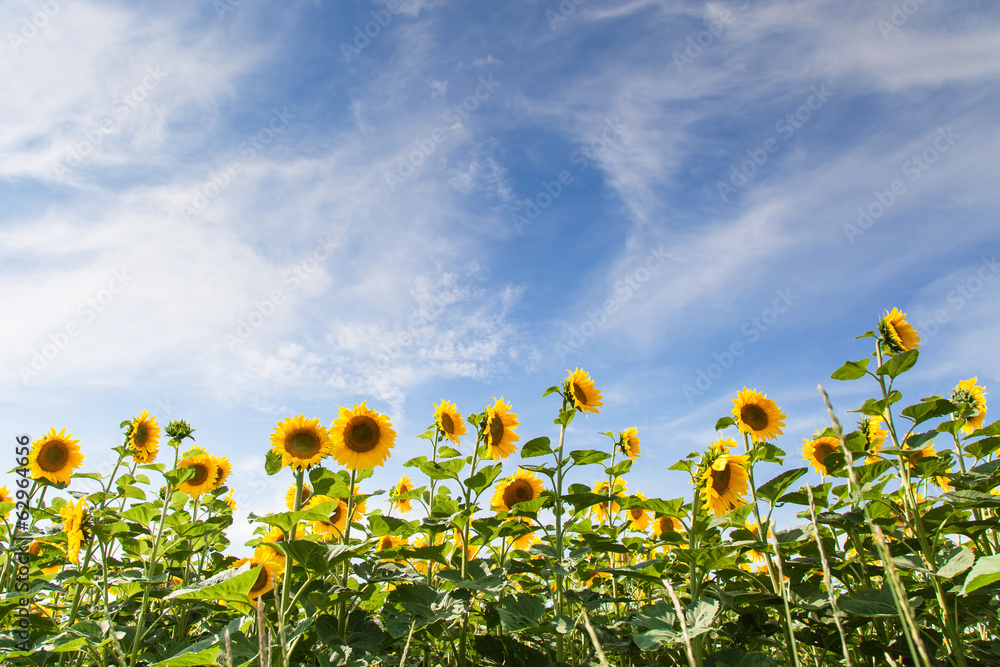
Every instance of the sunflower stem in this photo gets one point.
(560, 606)
(286, 583)
(342, 625)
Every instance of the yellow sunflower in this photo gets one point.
(604, 510)
(944, 483)
(224, 466)
(361, 438)
(725, 482)
(580, 388)
(336, 523)
(5, 497)
(270, 573)
(757, 415)
(758, 560)
(144, 438)
(871, 428)
(73, 525)
(919, 453)
(816, 449)
(449, 420)
(629, 439)
(500, 425)
(390, 542)
(639, 517)
(520, 487)
(55, 456)
(667, 524)
(301, 443)
(405, 485)
(205, 478)
(290, 496)
(229, 500)
(897, 333)
(524, 542)
(35, 548)
(267, 552)
(971, 401)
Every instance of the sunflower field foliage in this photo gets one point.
(487, 554)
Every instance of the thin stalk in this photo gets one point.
(286, 582)
(793, 651)
(342, 626)
(560, 603)
(827, 577)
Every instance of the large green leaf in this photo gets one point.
(773, 489)
(536, 447)
(921, 412)
(230, 585)
(983, 573)
(851, 370)
(869, 602)
(898, 364)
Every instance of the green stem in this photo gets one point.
(347, 561)
(286, 582)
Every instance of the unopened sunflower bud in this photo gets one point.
(179, 429)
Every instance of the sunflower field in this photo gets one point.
(895, 560)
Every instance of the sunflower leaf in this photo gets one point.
(773, 489)
(272, 463)
(724, 423)
(983, 573)
(992, 429)
(231, 585)
(588, 456)
(536, 447)
(921, 412)
(550, 390)
(983, 448)
(851, 370)
(899, 364)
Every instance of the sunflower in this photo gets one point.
(919, 453)
(361, 438)
(604, 510)
(35, 548)
(944, 483)
(144, 438)
(871, 428)
(816, 449)
(579, 388)
(229, 500)
(524, 542)
(224, 466)
(5, 497)
(897, 334)
(667, 524)
(449, 421)
(270, 553)
(405, 485)
(205, 478)
(336, 522)
(55, 456)
(629, 443)
(757, 415)
(971, 401)
(73, 525)
(520, 487)
(290, 496)
(758, 560)
(270, 573)
(390, 542)
(500, 425)
(638, 516)
(300, 442)
(725, 482)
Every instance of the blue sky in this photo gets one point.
(234, 213)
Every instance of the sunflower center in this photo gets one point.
(386, 542)
(754, 417)
(140, 435)
(822, 451)
(446, 423)
(53, 456)
(496, 431)
(518, 491)
(667, 525)
(261, 581)
(362, 434)
(635, 513)
(200, 474)
(303, 445)
(720, 479)
(335, 517)
(579, 394)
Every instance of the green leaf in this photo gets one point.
(851, 370)
(581, 501)
(983, 448)
(448, 470)
(588, 456)
(230, 585)
(619, 468)
(272, 462)
(537, 446)
(550, 390)
(724, 423)
(313, 556)
(898, 364)
(921, 412)
(773, 489)
(959, 560)
(876, 408)
(983, 573)
(192, 656)
(520, 612)
(991, 429)
(484, 478)
(869, 602)
(143, 513)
